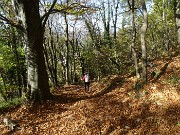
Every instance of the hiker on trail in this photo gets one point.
(86, 79)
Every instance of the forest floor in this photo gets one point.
(112, 107)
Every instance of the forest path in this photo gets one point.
(112, 107)
(73, 93)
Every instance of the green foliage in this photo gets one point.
(10, 103)
(12, 62)
(161, 35)
(99, 62)
(73, 9)
(178, 124)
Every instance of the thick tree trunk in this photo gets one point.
(37, 74)
(143, 42)
(38, 86)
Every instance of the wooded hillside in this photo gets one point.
(125, 51)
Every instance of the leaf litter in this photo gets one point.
(112, 107)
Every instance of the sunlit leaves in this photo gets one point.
(7, 58)
(73, 9)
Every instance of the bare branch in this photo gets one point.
(12, 23)
(45, 17)
(75, 6)
(129, 4)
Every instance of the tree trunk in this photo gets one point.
(166, 39)
(106, 22)
(67, 51)
(143, 42)
(74, 44)
(50, 51)
(177, 17)
(134, 41)
(37, 78)
(116, 6)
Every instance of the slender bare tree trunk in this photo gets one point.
(134, 40)
(166, 39)
(106, 22)
(115, 15)
(67, 50)
(50, 51)
(143, 41)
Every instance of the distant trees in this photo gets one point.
(12, 64)
(106, 37)
(51, 52)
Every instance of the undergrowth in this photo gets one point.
(10, 103)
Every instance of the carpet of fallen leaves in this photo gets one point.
(111, 107)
